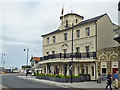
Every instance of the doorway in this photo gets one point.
(65, 69)
(103, 70)
(114, 70)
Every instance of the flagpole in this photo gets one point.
(63, 16)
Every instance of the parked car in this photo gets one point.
(29, 71)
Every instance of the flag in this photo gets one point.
(62, 11)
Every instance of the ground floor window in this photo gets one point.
(44, 69)
(65, 69)
(86, 69)
(82, 69)
(103, 70)
(92, 70)
(57, 70)
(78, 70)
(50, 68)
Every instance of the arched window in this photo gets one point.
(66, 23)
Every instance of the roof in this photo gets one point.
(79, 24)
(35, 58)
(91, 20)
(51, 32)
(72, 14)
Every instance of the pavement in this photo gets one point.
(90, 84)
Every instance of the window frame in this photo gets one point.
(65, 36)
(88, 31)
(78, 33)
(54, 39)
(48, 40)
(77, 49)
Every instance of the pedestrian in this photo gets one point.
(116, 79)
(109, 80)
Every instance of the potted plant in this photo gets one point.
(47, 76)
(76, 78)
(87, 77)
(36, 75)
(68, 78)
(61, 78)
(52, 77)
(42, 76)
(82, 77)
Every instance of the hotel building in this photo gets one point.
(89, 38)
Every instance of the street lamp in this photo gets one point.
(71, 66)
(27, 59)
(3, 54)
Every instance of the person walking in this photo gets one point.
(109, 77)
(116, 79)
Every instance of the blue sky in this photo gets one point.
(23, 23)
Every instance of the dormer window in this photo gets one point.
(76, 20)
(48, 40)
(66, 23)
(54, 39)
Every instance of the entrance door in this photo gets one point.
(65, 69)
(103, 70)
(114, 70)
(57, 70)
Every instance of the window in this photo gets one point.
(78, 33)
(65, 51)
(77, 49)
(78, 70)
(65, 36)
(86, 69)
(54, 39)
(53, 52)
(87, 49)
(44, 69)
(66, 23)
(48, 40)
(88, 31)
(76, 20)
(47, 53)
(92, 71)
(82, 69)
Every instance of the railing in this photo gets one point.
(69, 55)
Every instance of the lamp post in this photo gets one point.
(3, 54)
(27, 59)
(72, 57)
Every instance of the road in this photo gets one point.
(12, 81)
